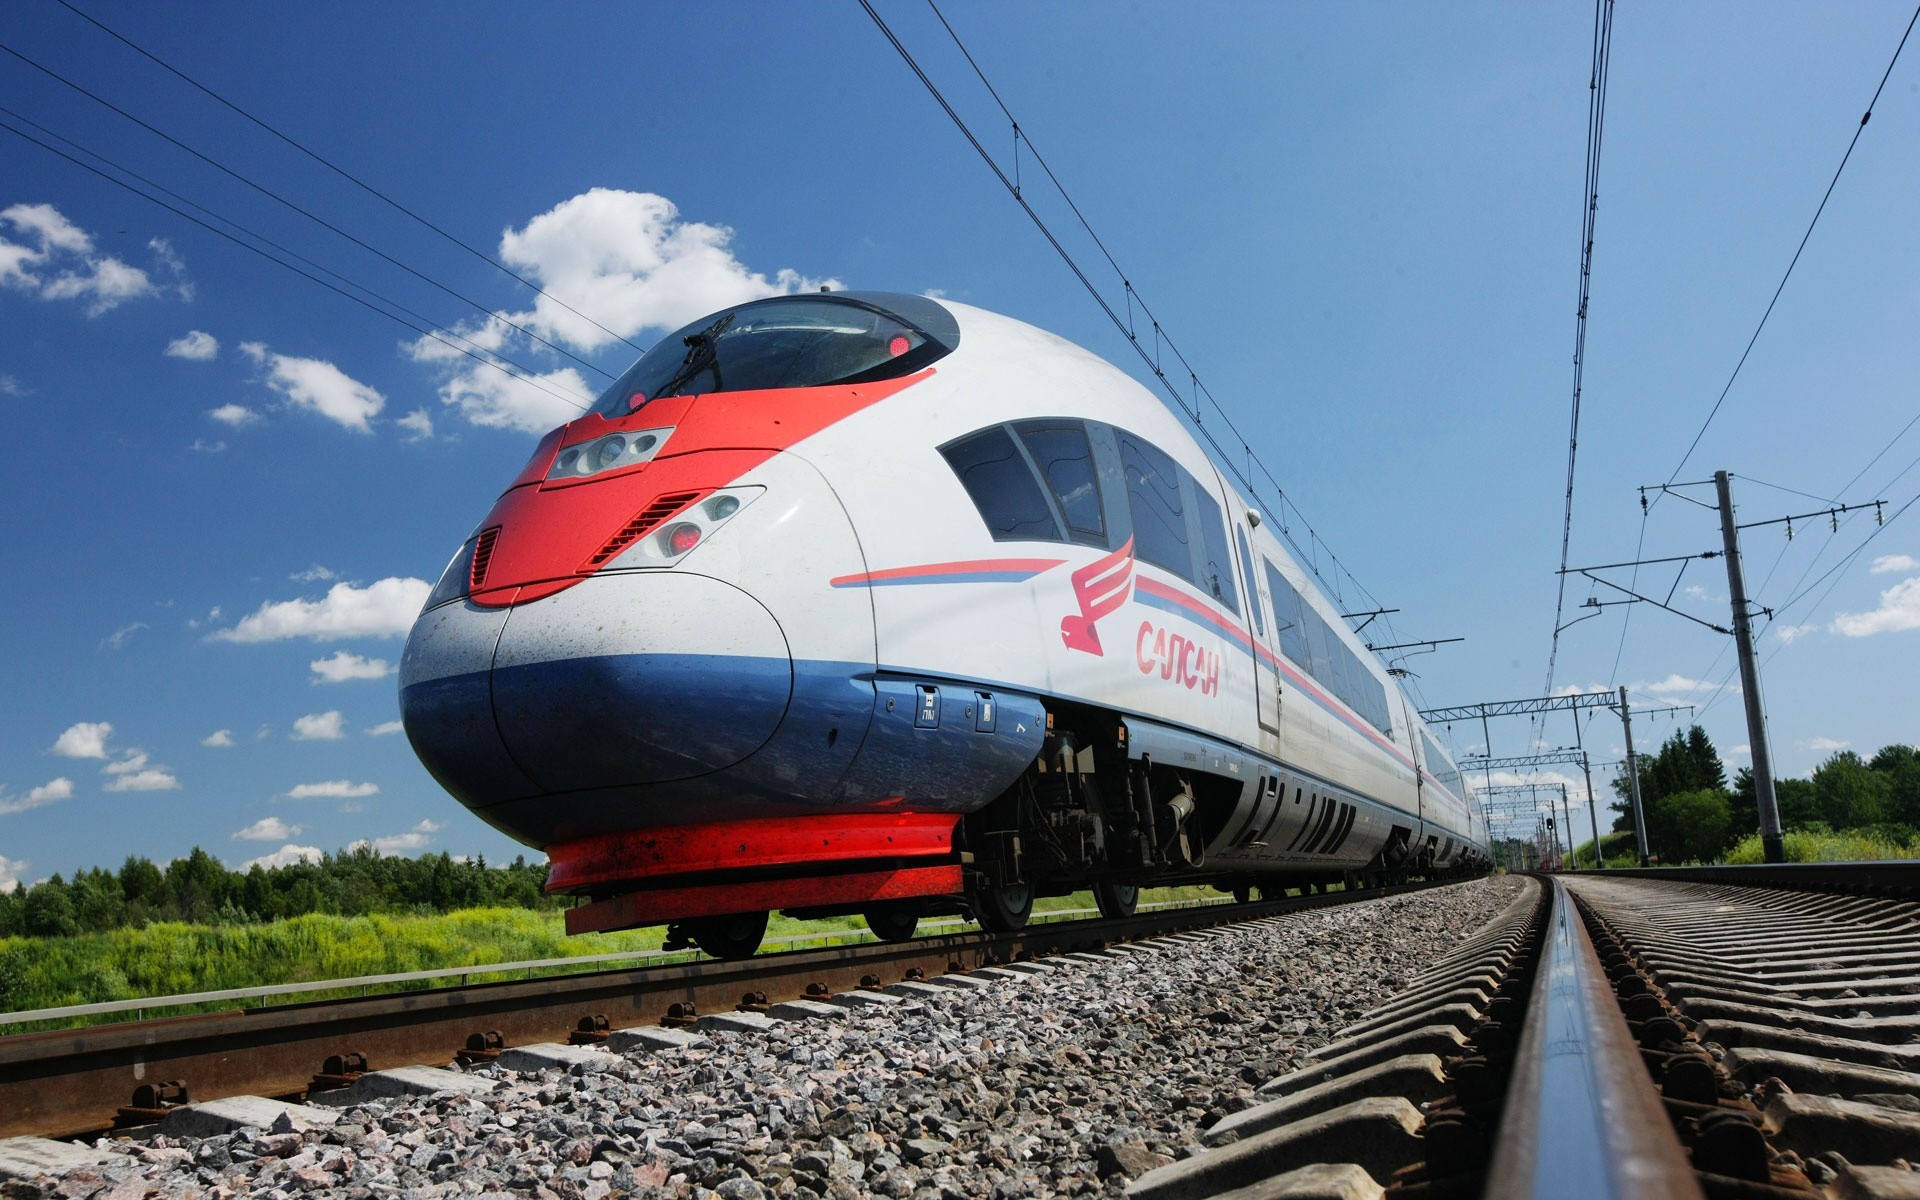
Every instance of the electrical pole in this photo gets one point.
(1593, 803)
(1763, 795)
(1566, 820)
(1633, 779)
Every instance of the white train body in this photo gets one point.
(903, 599)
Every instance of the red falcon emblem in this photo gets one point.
(1101, 587)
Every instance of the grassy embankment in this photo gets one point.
(1850, 845)
(173, 959)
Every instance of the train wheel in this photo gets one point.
(1243, 894)
(736, 935)
(1115, 900)
(1004, 909)
(891, 924)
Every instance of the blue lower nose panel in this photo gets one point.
(616, 720)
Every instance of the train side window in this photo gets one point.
(1060, 450)
(1002, 486)
(1216, 564)
(1253, 589)
(1153, 498)
(1287, 617)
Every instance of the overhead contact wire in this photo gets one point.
(1596, 129)
(335, 288)
(482, 255)
(1804, 238)
(315, 218)
(1066, 256)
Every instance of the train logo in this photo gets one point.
(1101, 587)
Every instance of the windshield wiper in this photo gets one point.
(701, 355)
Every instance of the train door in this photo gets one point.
(1266, 673)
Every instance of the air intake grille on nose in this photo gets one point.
(482, 557)
(647, 518)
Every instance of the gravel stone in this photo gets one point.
(1071, 1081)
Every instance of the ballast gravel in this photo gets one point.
(1063, 1083)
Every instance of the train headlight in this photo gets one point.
(691, 528)
(608, 453)
(682, 538)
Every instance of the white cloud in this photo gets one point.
(11, 869)
(266, 829)
(55, 260)
(385, 728)
(1789, 634)
(315, 574)
(51, 792)
(318, 727)
(9, 386)
(1674, 685)
(203, 446)
(285, 856)
(121, 636)
(342, 666)
(134, 771)
(148, 779)
(333, 789)
(195, 345)
(235, 415)
(1823, 745)
(419, 423)
(219, 739)
(416, 838)
(129, 762)
(1899, 610)
(625, 258)
(382, 609)
(1886, 564)
(87, 739)
(318, 385)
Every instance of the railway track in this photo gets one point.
(1728, 1034)
(1735, 1034)
(81, 1082)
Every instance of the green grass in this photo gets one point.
(170, 959)
(175, 959)
(1851, 845)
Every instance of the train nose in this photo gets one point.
(627, 678)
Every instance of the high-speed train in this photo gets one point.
(858, 602)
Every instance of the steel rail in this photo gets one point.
(1582, 1120)
(71, 1081)
(1888, 877)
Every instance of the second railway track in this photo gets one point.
(1738, 1035)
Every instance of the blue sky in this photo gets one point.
(1360, 223)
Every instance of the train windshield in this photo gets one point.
(787, 342)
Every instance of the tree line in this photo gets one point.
(1692, 815)
(199, 889)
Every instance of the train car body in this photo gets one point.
(878, 603)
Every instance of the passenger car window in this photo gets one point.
(1153, 498)
(1216, 567)
(1002, 486)
(1065, 460)
(1286, 617)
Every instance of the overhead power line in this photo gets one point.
(1804, 238)
(279, 199)
(1828, 195)
(1163, 344)
(425, 331)
(349, 176)
(1596, 128)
